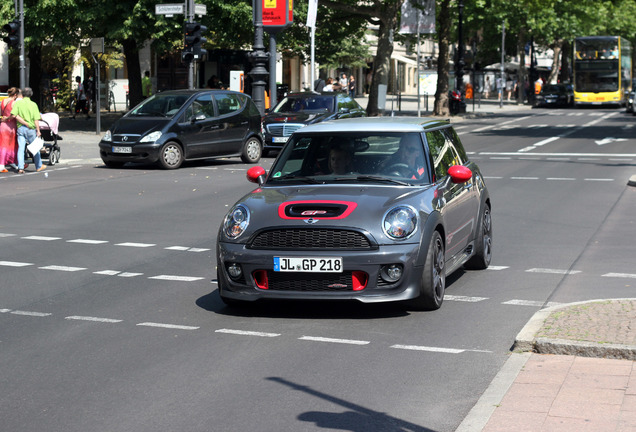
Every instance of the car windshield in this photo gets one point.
(160, 105)
(347, 157)
(305, 103)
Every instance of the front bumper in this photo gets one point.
(319, 286)
(143, 153)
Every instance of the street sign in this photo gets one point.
(169, 9)
(97, 45)
(200, 9)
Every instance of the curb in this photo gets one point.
(526, 340)
(632, 181)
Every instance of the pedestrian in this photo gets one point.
(89, 90)
(344, 82)
(80, 99)
(487, 88)
(329, 86)
(8, 128)
(27, 114)
(352, 87)
(146, 85)
(215, 83)
(319, 84)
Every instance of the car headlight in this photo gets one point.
(400, 222)
(236, 221)
(108, 136)
(151, 137)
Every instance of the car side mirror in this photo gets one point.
(460, 174)
(256, 174)
(197, 117)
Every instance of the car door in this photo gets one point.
(233, 122)
(458, 202)
(200, 127)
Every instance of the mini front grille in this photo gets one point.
(310, 281)
(283, 129)
(306, 239)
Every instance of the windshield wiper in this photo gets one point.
(382, 179)
(299, 178)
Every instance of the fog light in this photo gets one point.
(234, 270)
(391, 272)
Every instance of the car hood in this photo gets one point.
(361, 207)
(138, 125)
(305, 117)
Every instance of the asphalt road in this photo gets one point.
(109, 320)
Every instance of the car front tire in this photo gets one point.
(433, 283)
(171, 155)
(252, 150)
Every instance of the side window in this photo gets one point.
(437, 147)
(457, 144)
(227, 103)
(444, 152)
(202, 108)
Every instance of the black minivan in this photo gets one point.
(172, 126)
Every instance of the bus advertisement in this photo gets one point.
(602, 70)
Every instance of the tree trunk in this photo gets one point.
(382, 61)
(556, 63)
(522, 73)
(443, 62)
(566, 55)
(131, 52)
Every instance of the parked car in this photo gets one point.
(370, 209)
(173, 126)
(300, 109)
(555, 95)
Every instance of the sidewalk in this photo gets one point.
(573, 369)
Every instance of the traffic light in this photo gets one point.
(193, 42)
(13, 37)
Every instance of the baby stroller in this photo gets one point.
(48, 129)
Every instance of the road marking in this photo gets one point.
(107, 272)
(427, 348)
(561, 178)
(332, 340)
(620, 275)
(87, 241)
(95, 319)
(497, 268)
(464, 298)
(247, 333)
(186, 248)
(176, 278)
(129, 274)
(500, 124)
(198, 249)
(168, 326)
(41, 238)
(599, 179)
(524, 178)
(14, 264)
(6, 235)
(62, 268)
(139, 245)
(552, 271)
(5, 310)
(33, 314)
(529, 303)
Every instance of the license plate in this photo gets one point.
(122, 149)
(308, 264)
(280, 139)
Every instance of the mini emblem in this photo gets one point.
(310, 221)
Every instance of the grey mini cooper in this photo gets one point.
(370, 209)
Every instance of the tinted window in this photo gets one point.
(202, 108)
(228, 103)
(444, 152)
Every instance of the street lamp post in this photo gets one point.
(258, 57)
(459, 66)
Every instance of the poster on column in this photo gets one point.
(277, 14)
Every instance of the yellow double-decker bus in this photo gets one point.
(602, 70)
